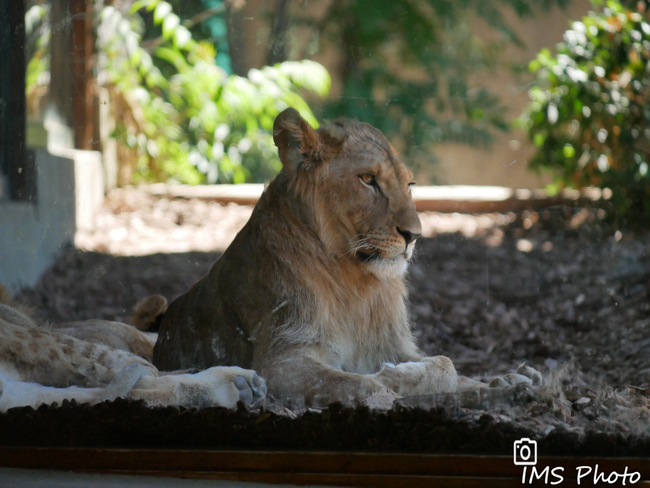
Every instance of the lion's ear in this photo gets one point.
(300, 146)
(294, 137)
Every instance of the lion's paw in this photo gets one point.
(251, 389)
(510, 379)
(223, 386)
(220, 386)
(381, 400)
(525, 374)
(532, 373)
(429, 376)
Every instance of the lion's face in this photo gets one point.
(365, 202)
(359, 187)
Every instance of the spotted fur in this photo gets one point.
(96, 360)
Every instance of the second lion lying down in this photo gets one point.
(97, 360)
(311, 294)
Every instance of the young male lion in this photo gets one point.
(97, 360)
(311, 293)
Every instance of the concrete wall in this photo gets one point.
(69, 191)
(89, 185)
(32, 233)
(504, 163)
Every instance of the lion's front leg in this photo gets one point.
(304, 377)
(428, 376)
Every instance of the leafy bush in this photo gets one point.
(199, 124)
(590, 111)
(179, 116)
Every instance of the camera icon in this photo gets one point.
(525, 451)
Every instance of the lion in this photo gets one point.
(311, 294)
(96, 360)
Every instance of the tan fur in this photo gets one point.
(111, 334)
(36, 354)
(98, 360)
(311, 293)
(147, 312)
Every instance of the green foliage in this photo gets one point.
(589, 114)
(407, 67)
(197, 124)
(38, 35)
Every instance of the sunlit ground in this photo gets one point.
(135, 223)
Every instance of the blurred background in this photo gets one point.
(187, 91)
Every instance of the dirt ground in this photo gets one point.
(558, 289)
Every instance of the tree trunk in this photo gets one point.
(279, 42)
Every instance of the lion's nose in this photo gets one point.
(408, 235)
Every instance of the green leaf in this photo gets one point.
(161, 12)
(568, 151)
(174, 57)
(139, 4)
(182, 37)
(169, 25)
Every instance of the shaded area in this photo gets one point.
(556, 289)
(585, 301)
(84, 285)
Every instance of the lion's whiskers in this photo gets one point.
(360, 244)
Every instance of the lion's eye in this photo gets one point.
(369, 180)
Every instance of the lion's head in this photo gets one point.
(360, 190)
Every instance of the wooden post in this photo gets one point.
(83, 92)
